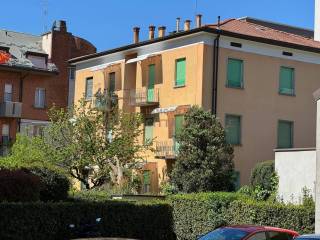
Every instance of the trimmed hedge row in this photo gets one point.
(298, 218)
(119, 219)
(196, 214)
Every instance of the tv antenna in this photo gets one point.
(45, 7)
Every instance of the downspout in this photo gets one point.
(216, 46)
(22, 77)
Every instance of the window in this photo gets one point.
(38, 61)
(40, 97)
(285, 134)
(233, 129)
(151, 81)
(148, 130)
(286, 84)
(89, 88)
(258, 236)
(178, 125)
(237, 180)
(112, 82)
(235, 73)
(146, 180)
(279, 236)
(8, 92)
(180, 72)
(72, 73)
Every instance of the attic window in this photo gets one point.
(235, 44)
(39, 60)
(287, 53)
(4, 49)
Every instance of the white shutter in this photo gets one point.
(8, 92)
(8, 88)
(5, 130)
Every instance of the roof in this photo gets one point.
(19, 45)
(243, 28)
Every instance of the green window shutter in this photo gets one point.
(146, 177)
(286, 85)
(89, 88)
(112, 82)
(148, 130)
(233, 129)
(151, 82)
(235, 73)
(285, 134)
(180, 72)
(178, 124)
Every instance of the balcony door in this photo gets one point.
(8, 92)
(150, 93)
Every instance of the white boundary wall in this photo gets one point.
(296, 170)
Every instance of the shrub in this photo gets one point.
(18, 186)
(262, 175)
(196, 214)
(49, 221)
(89, 195)
(54, 185)
(299, 218)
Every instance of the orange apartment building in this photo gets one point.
(256, 76)
(35, 77)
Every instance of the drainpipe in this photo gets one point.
(216, 46)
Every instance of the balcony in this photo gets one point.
(144, 97)
(10, 109)
(105, 102)
(166, 149)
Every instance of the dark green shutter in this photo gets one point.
(233, 129)
(148, 130)
(285, 134)
(235, 73)
(89, 88)
(286, 85)
(180, 72)
(146, 177)
(178, 124)
(151, 82)
(112, 82)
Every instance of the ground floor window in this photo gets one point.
(146, 181)
(285, 134)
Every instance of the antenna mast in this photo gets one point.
(44, 6)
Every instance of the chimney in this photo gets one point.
(198, 20)
(60, 26)
(161, 31)
(187, 25)
(151, 32)
(136, 34)
(317, 21)
(178, 25)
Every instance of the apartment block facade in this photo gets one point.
(257, 78)
(34, 77)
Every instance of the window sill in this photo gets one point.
(37, 107)
(239, 88)
(179, 86)
(287, 94)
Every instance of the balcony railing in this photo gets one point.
(166, 149)
(10, 109)
(105, 101)
(144, 97)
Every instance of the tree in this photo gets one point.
(95, 146)
(204, 161)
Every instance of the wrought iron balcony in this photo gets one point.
(10, 109)
(105, 102)
(166, 149)
(144, 97)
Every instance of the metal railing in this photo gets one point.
(166, 149)
(144, 96)
(10, 109)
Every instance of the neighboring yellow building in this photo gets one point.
(257, 77)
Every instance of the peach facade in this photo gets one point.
(259, 103)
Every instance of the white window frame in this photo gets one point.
(7, 92)
(38, 101)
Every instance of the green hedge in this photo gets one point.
(120, 219)
(196, 214)
(298, 218)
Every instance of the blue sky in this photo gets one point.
(108, 23)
